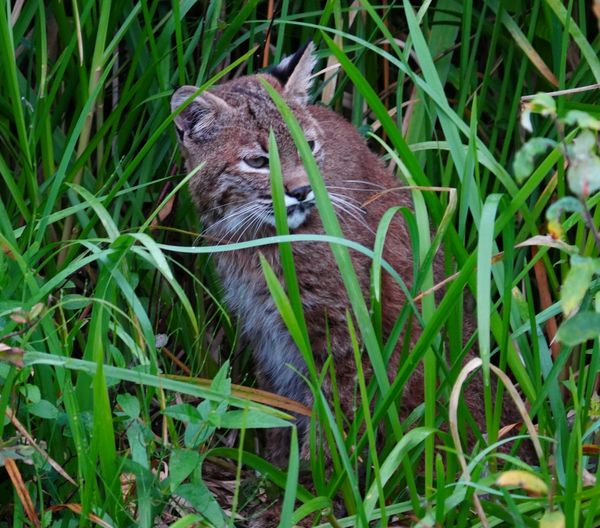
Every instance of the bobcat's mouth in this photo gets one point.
(297, 214)
(297, 211)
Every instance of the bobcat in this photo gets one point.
(226, 129)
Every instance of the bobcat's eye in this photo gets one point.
(257, 162)
(311, 144)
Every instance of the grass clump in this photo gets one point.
(123, 380)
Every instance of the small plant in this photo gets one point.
(579, 298)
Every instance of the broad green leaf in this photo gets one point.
(542, 103)
(523, 163)
(577, 282)
(196, 434)
(202, 500)
(43, 409)
(583, 173)
(130, 405)
(182, 463)
(31, 392)
(212, 411)
(579, 328)
(581, 119)
(567, 204)
(222, 382)
(185, 412)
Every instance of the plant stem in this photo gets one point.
(587, 215)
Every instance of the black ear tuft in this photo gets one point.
(286, 67)
(295, 74)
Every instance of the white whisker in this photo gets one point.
(348, 199)
(238, 211)
(223, 206)
(340, 207)
(377, 185)
(340, 198)
(232, 230)
(264, 219)
(352, 189)
(238, 223)
(255, 218)
(349, 209)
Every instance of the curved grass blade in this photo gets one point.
(143, 378)
(341, 254)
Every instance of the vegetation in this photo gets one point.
(123, 382)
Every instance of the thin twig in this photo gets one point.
(19, 427)
(587, 215)
(270, 10)
(564, 92)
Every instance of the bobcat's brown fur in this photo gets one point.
(227, 129)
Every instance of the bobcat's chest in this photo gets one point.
(248, 297)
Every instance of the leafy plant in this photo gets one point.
(580, 150)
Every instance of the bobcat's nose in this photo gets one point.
(300, 193)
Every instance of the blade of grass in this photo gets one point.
(341, 255)
(285, 249)
(139, 377)
(588, 52)
(287, 508)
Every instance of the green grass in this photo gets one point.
(117, 357)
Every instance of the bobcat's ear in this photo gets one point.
(294, 73)
(201, 116)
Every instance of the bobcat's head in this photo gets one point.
(227, 129)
